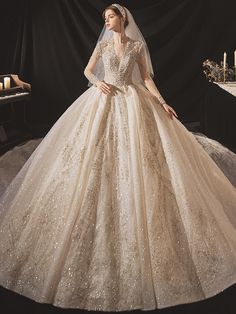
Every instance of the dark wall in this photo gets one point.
(48, 43)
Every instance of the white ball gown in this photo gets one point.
(119, 207)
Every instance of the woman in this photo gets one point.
(119, 207)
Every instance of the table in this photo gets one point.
(230, 87)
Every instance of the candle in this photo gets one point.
(6, 82)
(235, 58)
(1, 86)
(224, 63)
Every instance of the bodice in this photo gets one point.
(118, 70)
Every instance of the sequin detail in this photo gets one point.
(119, 207)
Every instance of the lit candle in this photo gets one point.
(224, 63)
(6, 82)
(1, 86)
(235, 58)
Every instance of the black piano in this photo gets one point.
(13, 101)
(18, 90)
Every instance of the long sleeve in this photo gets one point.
(149, 83)
(88, 71)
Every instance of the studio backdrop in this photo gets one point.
(48, 44)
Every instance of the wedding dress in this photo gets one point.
(119, 207)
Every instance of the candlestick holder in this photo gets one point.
(224, 70)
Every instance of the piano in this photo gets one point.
(19, 90)
(13, 101)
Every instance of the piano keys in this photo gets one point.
(19, 90)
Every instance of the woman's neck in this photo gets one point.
(119, 38)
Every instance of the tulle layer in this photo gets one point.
(118, 208)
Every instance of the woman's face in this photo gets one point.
(112, 20)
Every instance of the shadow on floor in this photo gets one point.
(223, 303)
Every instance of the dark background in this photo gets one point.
(48, 43)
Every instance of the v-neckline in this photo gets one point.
(124, 52)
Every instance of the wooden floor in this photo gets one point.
(223, 303)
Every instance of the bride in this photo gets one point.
(119, 207)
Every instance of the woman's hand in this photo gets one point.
(169, 110)
(104, 87)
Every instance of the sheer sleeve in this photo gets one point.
(88, 71)
(146, 76)
(141, 60)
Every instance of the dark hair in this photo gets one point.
(117, 11)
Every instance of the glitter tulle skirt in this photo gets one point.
(118, 208)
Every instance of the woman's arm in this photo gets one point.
(149, 83)
(88, 71)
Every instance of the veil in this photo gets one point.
(133, 32)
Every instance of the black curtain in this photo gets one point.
(48, 43)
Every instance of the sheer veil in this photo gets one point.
(133, 32)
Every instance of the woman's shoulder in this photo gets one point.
(137, 44)
(103, 43)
